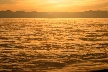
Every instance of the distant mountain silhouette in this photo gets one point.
(34, 14)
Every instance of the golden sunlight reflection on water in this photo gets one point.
(56, 44)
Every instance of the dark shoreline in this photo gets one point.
(35, 14)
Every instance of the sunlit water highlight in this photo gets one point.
(53, 45)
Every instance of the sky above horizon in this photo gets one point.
(53, 5)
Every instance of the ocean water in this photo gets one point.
(53, 44)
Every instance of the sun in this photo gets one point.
(56, 1)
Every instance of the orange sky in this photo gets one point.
(54, 5)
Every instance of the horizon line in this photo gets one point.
(52, 11)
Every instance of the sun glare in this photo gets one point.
(56, 1)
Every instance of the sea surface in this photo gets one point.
(53, 44)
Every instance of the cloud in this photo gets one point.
(11, 1)
(48, 5)
(6, 1)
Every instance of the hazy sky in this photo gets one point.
(54, 5)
